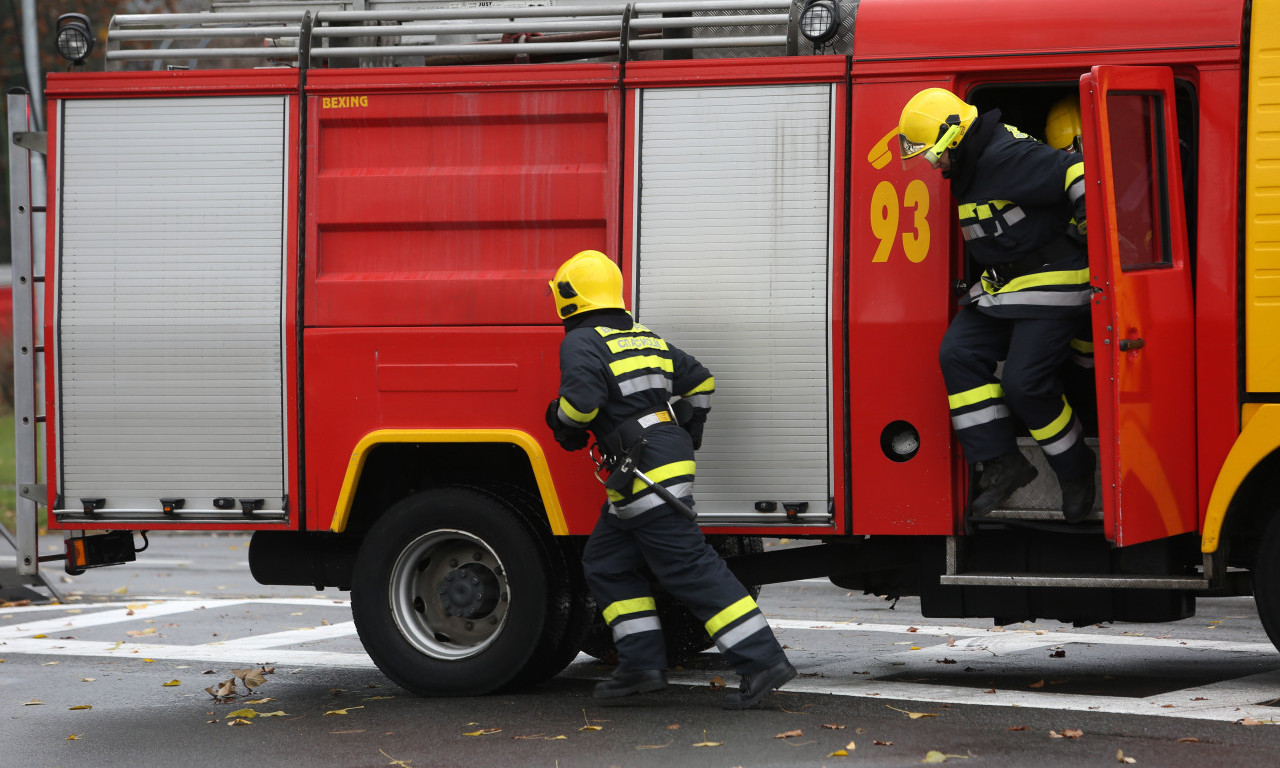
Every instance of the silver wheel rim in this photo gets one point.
(449, 594)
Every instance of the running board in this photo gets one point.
(1082, 581)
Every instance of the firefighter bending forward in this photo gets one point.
(1022, 215)
(617, 378)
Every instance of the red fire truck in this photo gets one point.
(303, 294)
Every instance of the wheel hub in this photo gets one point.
(470, 591)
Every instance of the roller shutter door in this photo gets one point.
(733, 254)
(169, 314)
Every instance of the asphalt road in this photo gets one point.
(123, 668)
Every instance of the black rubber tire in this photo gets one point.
(685, 636)
(1266, 581)
(400, 614)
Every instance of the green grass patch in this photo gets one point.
(8, 491)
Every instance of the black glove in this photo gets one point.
(569, 438)
(694, 427)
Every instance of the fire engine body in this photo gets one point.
(311, 302)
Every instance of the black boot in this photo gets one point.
(630, 682)
(1001, 476)
(755, 685)
(1077, 498)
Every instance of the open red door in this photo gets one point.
(1144, 345)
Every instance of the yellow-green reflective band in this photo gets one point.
(729, 615)
(1065, 278)
(975, 395)
(664, 472)
(1074, 172)
(1055, 426)
(575, 414)
(707, 386)
(634, 605)
(968, 210)
(630, 364)
(1080, 345)
(636, 342)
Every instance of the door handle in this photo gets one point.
(1128, 345)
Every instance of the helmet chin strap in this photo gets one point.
(933, 153)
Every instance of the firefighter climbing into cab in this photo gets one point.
(617, 379)
(1021, 208)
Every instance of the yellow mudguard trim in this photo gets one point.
(1259, 438)
(541, 473)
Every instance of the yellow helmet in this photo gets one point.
(933, 121)
(1062, 128)
(585, 282)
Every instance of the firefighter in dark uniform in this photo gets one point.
(1022, 215)
(618, 380)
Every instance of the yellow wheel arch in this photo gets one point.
(1259, 438)
(522, 440)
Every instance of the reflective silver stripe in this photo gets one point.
(983, 416)
(731, 637)
(1076, 190)
(639, 624)
(1013, 216)
(700, 401)
(647, 500)
(972, 231)
(1043, 298)
(567, 419)
(1061, 444)
(648, 381)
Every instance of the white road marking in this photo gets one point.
(1227, 700)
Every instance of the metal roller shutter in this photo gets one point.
(170, 303)
(733, 257)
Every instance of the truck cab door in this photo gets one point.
(1143, 327)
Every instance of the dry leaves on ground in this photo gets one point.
(913, 715)
(1066, 733)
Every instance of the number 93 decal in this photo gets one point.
(888, 219)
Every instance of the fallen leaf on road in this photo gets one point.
(934, 756)
(1187, 740)
(1067, 733)
(833, 727)
(73, 737)
(717, 682)
(32, 703)
(171, 683)
(654, 746)
(483, 732)
(1120, 758)
(1058, 654)
(81, 706)
(883, 743)
(1019, 727)
(789, 734)
(340, 711)
(1039, 684)
(913, 715)
(239, 721)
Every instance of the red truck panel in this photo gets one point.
(362, 380)
(452, 204)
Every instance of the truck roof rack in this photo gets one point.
(365, 33)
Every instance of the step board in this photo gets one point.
(1034, 515)
(1077, 581)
